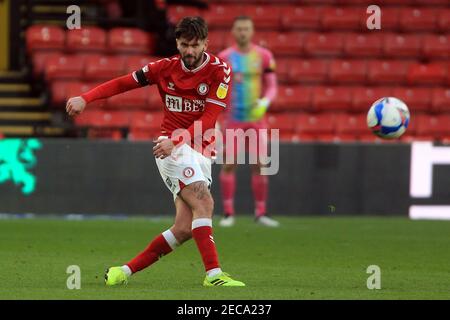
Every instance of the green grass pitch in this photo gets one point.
(306, 258)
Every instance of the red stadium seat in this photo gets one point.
(103, 67)
(430, 2)
(347, 71)
(222, 16)
(289, 43)
(283, 67)
(133, 63)
(324, 44)
(216, 41)
(58, 93)
(300, 17)
(146, 120)
(74, 89)
(263, 16)
(145, 125)
(332, 98)
(176, 12)
(130, 40)
(417, 99)
(444, 19)
(153, 98)
(315, 124)
(104, 133)
(363, 45)
(86, 39)
(399, 45)
(39, 60)
(342, 17)
(387, 71)
(311, 70)
(64, 67)
(435, 125)
(418, 19)
(63, 90)
(351, 124)
(265, 38)
(432, 74)
(292, 98)
(103, 119)
(440, 100)
(41, 37)
(436, 46)
(136, 134)
(390, 18)
(133, 99)
(364, 97)
(285, 122)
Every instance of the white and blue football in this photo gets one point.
(388, 118)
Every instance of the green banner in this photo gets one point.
(16, 161)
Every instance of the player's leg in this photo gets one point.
(227, 179)
(199, 199)
(227, 175)
(160, 246)
(260, 183)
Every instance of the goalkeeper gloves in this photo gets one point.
(259, 109)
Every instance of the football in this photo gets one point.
(388, 118)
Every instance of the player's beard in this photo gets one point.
(195, 63)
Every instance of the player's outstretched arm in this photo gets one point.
(76, 105)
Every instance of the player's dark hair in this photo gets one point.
(242, 18)
(192, 28)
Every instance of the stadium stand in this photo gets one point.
(330, 67)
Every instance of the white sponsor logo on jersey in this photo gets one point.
(174, 103)
(178, 104)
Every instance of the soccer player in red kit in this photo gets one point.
(194, 88)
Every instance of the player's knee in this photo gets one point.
(205, 206)
(182, 234)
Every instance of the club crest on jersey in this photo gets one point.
(188, 172)
(171, 86)
(202, 89)
(222, 91)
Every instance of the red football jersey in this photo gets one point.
(186, 93)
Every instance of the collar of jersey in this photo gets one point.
(198, 68)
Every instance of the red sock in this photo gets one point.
(202, 234)
(260, 186)
(228, 186)
(155, 250)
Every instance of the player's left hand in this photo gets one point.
(260, 109)
(163, 148)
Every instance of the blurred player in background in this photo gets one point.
(254, 88)
(194, 88)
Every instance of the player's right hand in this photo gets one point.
(75, 106)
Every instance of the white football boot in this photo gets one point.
(267, 221)
(227, 221)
